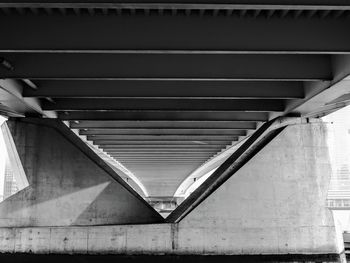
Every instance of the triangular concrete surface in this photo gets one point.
(274, 204)
(68, 183)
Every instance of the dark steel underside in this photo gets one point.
(164, 86)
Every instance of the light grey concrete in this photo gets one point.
(66, 187)
(275, 204)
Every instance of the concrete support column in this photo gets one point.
(68, 183)
(275, 204)
(272, 208)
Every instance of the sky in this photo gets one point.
(3, 155)
(339, 137)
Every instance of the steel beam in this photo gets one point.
(15, 105)
(159, 158)
(56, 32)
(152, 147)
(163, 132)
(166, 89)
(161, 142)
(162, 137)
(228, 4)
(162, 155)
(114, 124)
(204, 116)
(136, 164)
(166, 67)
(213, 105)
(103, 140)
(161, 151)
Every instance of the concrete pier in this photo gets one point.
(68, 183)
(274, 205)
(171, 130)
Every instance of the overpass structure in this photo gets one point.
(167, 92)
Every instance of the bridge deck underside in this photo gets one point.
(162, 88)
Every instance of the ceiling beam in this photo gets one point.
(163, 155)
(161, 142)
(166, 67)
(162, 137)
(115, 124)
(161, 151)
(190, 158)
(155, 147)
(163, 132)
(141, 163)
(259, 105)
(231, 4)
(166, 89)
(165, 116)
(112, 32)
(15, 105)
(184, 138)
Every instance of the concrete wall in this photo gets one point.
(126, 239)
(275, 204)
(65, 186)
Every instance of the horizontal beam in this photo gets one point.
(99, 138)
(165, 89)
(161, 155)
(165, 116)
(162, 137)
(163, 132)
(195, 142)
(112, 124)
(14, 104)
(166, 67)
(160, 151)
(112, 32)
(161, 147)
(261, 105)
(231, 4)
(191, 159)
(123, 158)
(138, 164)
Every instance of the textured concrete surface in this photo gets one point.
(275, 204)
(65, 186)
(73, 258)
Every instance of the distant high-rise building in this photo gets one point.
(10, 186)
(343, 172)
(339, 143)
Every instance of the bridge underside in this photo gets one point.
(276, 203)
(136, 102)
(164, 87)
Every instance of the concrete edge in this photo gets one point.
(30, 257)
